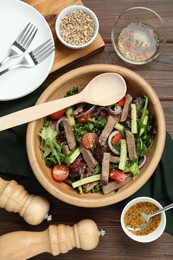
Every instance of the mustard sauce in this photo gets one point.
(133, 218)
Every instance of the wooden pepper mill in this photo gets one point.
(14, 198)
(22, 245)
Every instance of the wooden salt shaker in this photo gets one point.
(14, 198)
(22, 245)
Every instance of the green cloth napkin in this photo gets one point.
(14, 163)
(13, 159)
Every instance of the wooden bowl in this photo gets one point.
(81, 76)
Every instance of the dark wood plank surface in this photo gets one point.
(159, 73)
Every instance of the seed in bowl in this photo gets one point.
(133, 218)
(77, 28)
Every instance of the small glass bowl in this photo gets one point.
(154, 234)
(71, 9)
(151, 25)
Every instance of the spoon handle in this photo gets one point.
(170, 206)
(39, 111)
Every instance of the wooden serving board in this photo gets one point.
(63, 55)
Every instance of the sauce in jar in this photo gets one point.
(138, 42)
(133, 218)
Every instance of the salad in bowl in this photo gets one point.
(94, 148)
(85, 155)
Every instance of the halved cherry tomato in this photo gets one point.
(84, 118)
(60, 172)
(89, 140)
(128, 47)
(117, 175)
(59, 140)
(121, 102)
(116, 138)
(57, 115)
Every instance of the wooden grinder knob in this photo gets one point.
(14, 198)
(22, 245)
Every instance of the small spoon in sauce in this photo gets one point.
(103, 90)
(146, 218)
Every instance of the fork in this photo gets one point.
(20, 45)
(34, 57)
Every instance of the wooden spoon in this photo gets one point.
(104, 90)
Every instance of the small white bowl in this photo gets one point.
(151, 236)
(65, 12)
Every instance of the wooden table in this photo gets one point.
(159, 73)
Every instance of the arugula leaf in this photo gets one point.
(51, 151)
(96, 188)
(98, 122)
(72, 91)
(144, 111)
(96, 170)
(143, 138)
(94, 125)
(79, 130)
(48, 133)
(132, 167)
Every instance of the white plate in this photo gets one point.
(14, 16)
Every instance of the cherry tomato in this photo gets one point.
(60, 172)
(116, 138)
(59, 140)
(128, 47)
(89, 140)
(84, 118)
(57, 115)
(117, 175)
(121, 102)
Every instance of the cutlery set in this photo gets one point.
(20, 46)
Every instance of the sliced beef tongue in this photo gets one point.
(105, 169)
(114, 185)
(69, 134)
(112, 120)
(131, 145)
(78, 110)
(114, 159)
(126, 108)
(88, 157)
(66, 149)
